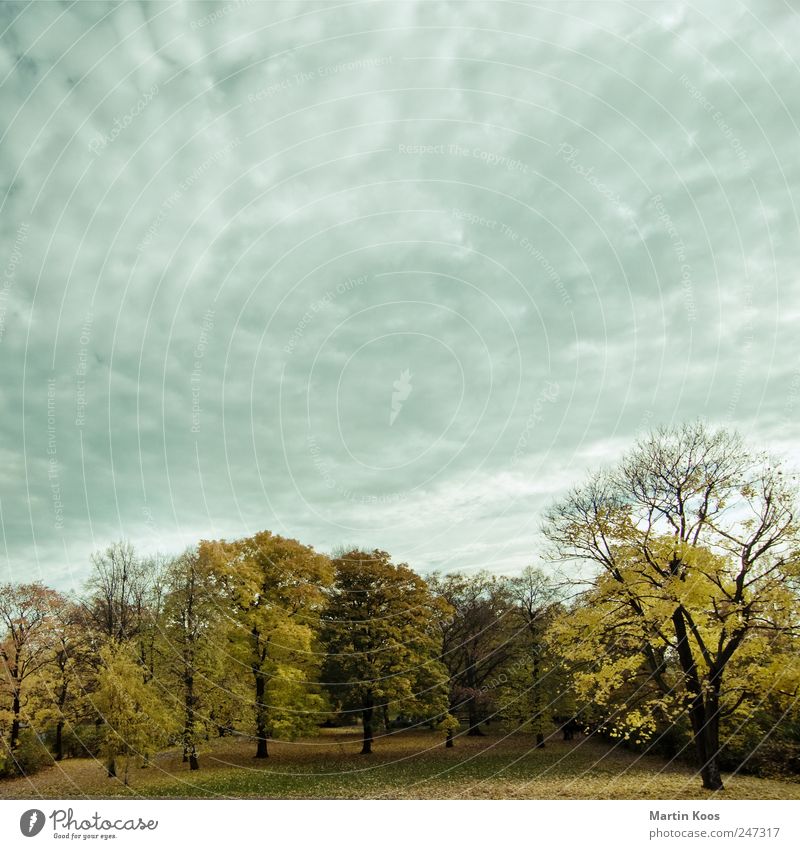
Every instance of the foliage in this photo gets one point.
(696, 540)
(28, 757)
(381, 640)
(684, 634)
(64, 682)
(272, 589)
(138, 721)
(190, 624)
(477, 635)
(27, 617)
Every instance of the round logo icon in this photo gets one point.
(31, 822)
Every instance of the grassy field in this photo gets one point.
(405, 765)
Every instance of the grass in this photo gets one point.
(404, 765)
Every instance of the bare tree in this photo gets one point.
(117, 588)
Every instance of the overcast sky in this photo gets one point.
(386, 274)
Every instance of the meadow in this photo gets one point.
(404, 765)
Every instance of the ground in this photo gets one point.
(404, 765)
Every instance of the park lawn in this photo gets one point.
(404, 765)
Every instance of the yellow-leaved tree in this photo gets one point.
(271, 591)
(696, 540)
(138, 720)
(383, 643)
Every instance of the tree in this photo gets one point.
(67, 673)
(381, 642)
(137, 719)
(26, 613)
(148, 611)
(193, 631)
(477, 638)
(449, 725)
(272, 589)
(534, 604)
(118, 587)
(696, 540)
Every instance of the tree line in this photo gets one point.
(673, 627)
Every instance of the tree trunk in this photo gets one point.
(143, 658)
(448, 743)
(111, 768)
(261, 716)
(712, 779)
(537, 700)
(366, 715)
(705, 724)
(189, 746)
(474, 719)
(385, 714)
(15, 723)
(59, 744)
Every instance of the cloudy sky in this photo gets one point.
(389, 274)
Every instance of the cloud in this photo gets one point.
(227, 231)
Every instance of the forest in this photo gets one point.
(662, 616)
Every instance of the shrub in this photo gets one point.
(29, 757)
(84, 741)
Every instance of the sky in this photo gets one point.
(393, 275)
